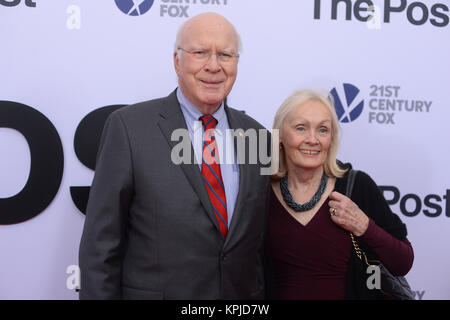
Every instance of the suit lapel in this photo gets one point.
(244, 176)
(171, 119)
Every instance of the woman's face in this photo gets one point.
(306, 135)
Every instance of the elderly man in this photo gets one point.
(156, 229)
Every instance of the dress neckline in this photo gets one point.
(290, 216)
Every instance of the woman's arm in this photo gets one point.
(396, 255)
(368, 216)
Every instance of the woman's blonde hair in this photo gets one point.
(296, 99)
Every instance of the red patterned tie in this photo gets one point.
(212, 175)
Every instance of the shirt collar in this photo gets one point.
(194, 113)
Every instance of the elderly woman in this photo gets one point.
(310, 217)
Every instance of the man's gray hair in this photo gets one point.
(180, 29)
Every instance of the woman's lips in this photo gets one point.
(309, 152)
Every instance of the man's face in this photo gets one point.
(206, 81)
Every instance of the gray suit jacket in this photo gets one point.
(150, 231)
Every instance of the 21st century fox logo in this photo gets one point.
(385, 103)
(168, 8)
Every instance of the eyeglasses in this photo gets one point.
(204, 55)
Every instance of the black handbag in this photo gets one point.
(391, 287)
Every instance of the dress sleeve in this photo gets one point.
(396, 255)
(386, 233)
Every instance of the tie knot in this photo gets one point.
(209, 122)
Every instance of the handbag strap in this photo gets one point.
(358, 250)
(348, 192)
(350, 182)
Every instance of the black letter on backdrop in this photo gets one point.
(11, 3)
(30, 3)
(47, 162)
(86, 144)
(395, 192)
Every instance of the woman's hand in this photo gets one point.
(346, 214)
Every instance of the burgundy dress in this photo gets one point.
(311, 262)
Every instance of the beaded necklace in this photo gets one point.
(306, 206)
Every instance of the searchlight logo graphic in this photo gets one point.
(351, 108)
(134, 7)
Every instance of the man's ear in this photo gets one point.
(176, 61)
